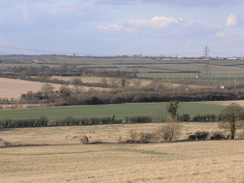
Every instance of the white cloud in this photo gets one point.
(181, 3)
(236, 35)
(197, 3)
(131, 25)
(220, 34)
(232, 20)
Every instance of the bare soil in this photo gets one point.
(13, 88)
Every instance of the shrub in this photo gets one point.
(185, 117)
(241, 135)
(192, 137)
(107, 120)
(217, 136)
(146, 137)
(5, 143)
(85, 121)
(9, 123)
(204, 118)
(201, 135)
(138, 119)
(169, 132)
(84, 140)
(133, 135)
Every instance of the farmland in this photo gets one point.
(142, 64)
(13, 88)
(53, 154)
(123, 86)
(119, 110)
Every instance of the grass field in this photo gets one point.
(144, 65)
(214, 77)
(53, 154)
(119, 110)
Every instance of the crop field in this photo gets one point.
(143, 64)
(54, 154)
(13, 88)
(213, 77)
(156, 110)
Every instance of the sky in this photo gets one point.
(122, 27)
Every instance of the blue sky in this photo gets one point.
(118, 27)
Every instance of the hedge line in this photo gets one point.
(9, 123)
(70, 121)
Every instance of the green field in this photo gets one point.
(119, 110)
(214, 77)
(220, 70)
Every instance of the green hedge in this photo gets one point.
(9, 123)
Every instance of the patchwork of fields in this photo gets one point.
(54, 154)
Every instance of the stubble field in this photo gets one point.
(13, 88)
(54, 154)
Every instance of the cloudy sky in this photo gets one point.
(118, 27)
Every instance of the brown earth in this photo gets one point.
(13, 88)
(225, 103)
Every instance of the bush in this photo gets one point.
(138, 119)
(133, 135)
(201, 135)
(5, 143)
(84, 140)
(192, 137)
(241, 135)
(142, 137)
(185, 117)
(168, 132)
(217, 136)
(9, 123)
(146, 137)
(204, 118)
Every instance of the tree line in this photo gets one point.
(79, 96)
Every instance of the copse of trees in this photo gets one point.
(70, 95)
(43, 73)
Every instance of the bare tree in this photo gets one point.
(104, 82)
(136, 82)
(47, 90)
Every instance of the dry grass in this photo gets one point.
(225, 103)
(13, 88)
(68, 161)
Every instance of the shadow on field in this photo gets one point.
(6, 129)
(96, 143)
